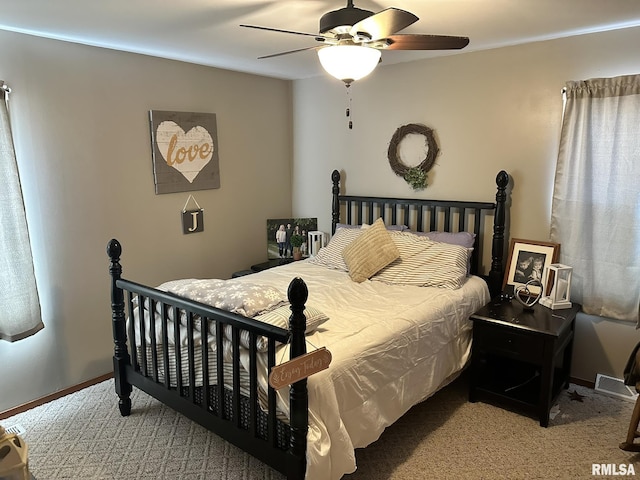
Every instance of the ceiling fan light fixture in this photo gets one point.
(349, 62)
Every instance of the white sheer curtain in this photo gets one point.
(596, 200)
(19, 303)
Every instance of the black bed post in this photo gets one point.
(335, 205)
(120, 353)
(497, 250)
(298, 396)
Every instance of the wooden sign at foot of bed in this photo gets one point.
(299, 368)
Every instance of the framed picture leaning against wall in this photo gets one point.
(527, 261)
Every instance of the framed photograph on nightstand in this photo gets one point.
(280, 231)
(527, 261)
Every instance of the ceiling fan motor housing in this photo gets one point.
(347, 16)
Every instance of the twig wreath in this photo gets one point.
(414, 176)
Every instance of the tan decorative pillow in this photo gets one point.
(371, 251)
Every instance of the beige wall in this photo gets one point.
(81, 128)
(81, 131)
(492, 110)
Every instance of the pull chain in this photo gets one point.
(349, 117)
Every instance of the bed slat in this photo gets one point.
(220, 369)
(236, 375)
(461, 221)
(253, 386)
(154, 340)
(165, 341)
(143, 338)
(132, 331)
(191, 354)
(271, 396)
(178, 351)
(204, 347)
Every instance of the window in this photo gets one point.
(596, 200)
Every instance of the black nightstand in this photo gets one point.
(270, 264)
(258, 267)
(242, 273)
(521, 358)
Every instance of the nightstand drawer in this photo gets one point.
(508, 342)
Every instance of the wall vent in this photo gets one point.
(615, 387)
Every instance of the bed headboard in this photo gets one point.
(434, 215)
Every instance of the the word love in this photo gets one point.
(187, 152)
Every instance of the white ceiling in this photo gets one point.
(207, 32)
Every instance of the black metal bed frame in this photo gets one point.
(237, 418)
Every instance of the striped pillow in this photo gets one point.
(331, 255)
(425, 263)
(280, 318)
(464, 239)
(372, 250)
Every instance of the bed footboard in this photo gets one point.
(204, 363)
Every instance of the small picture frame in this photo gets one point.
(289, 227)
(527, 261)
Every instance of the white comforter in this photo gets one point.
(392, 346)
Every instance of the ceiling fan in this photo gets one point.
(352, 39)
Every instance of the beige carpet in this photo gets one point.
(83, 436)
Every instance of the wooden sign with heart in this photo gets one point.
(185, 151)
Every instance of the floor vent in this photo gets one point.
(615, 387)
(16, 429)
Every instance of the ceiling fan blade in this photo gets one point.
(384, 23)
(425, 42)
(317, 36)
(286, 53)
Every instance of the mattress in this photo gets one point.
(392, 347)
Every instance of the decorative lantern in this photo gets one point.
(315, 242)
(13, 457)
(558, 278)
